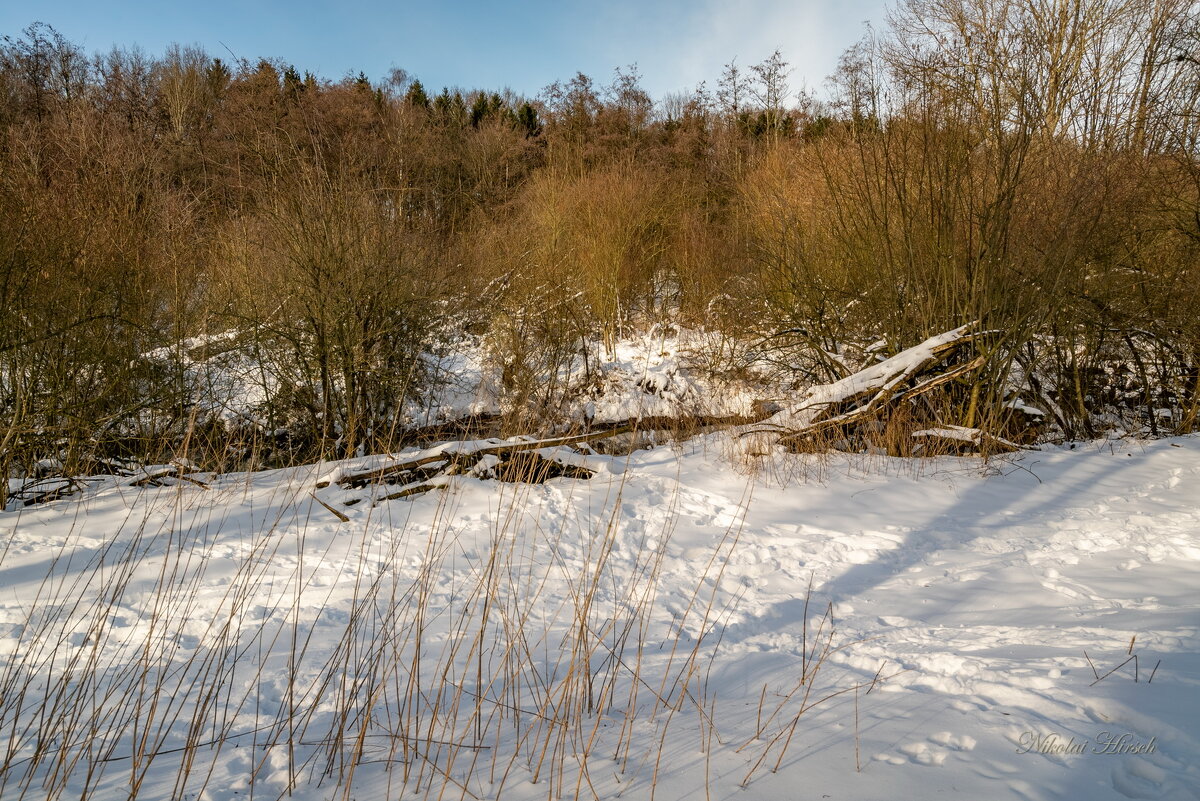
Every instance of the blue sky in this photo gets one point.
(480, 43)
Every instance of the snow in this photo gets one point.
(971, 436)
(950, 432)
(657, 375)
(658, 372)
(227, 372)
(1020, 406)
(962, 623)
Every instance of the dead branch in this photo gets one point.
(873, 391)
(330, 509)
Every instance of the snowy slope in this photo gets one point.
(647, 633)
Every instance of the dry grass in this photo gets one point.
(545, 660)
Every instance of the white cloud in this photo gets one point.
(679, 52)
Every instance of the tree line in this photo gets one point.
(1031, 164)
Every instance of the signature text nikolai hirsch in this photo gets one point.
(1106, 743)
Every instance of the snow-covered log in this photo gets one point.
(450, 457)
(866, 394)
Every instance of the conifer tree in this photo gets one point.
(527, 120)
(480, 110)
(218, 77)
(415, 96)
(292, 85)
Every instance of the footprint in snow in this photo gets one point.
(891, 759)
(1140, 778)
(922, 754)
(956, 742)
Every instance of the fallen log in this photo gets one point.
(45, 490)
(155, 477)
(875, 406)
(529, 467)
(452, 456)
(410, 490)
(875, 390)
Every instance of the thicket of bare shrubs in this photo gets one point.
(1031, 165)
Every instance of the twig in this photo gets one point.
(1114, 670)
(331, 510)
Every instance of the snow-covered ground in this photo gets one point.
(666, 371)
(676, 627)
